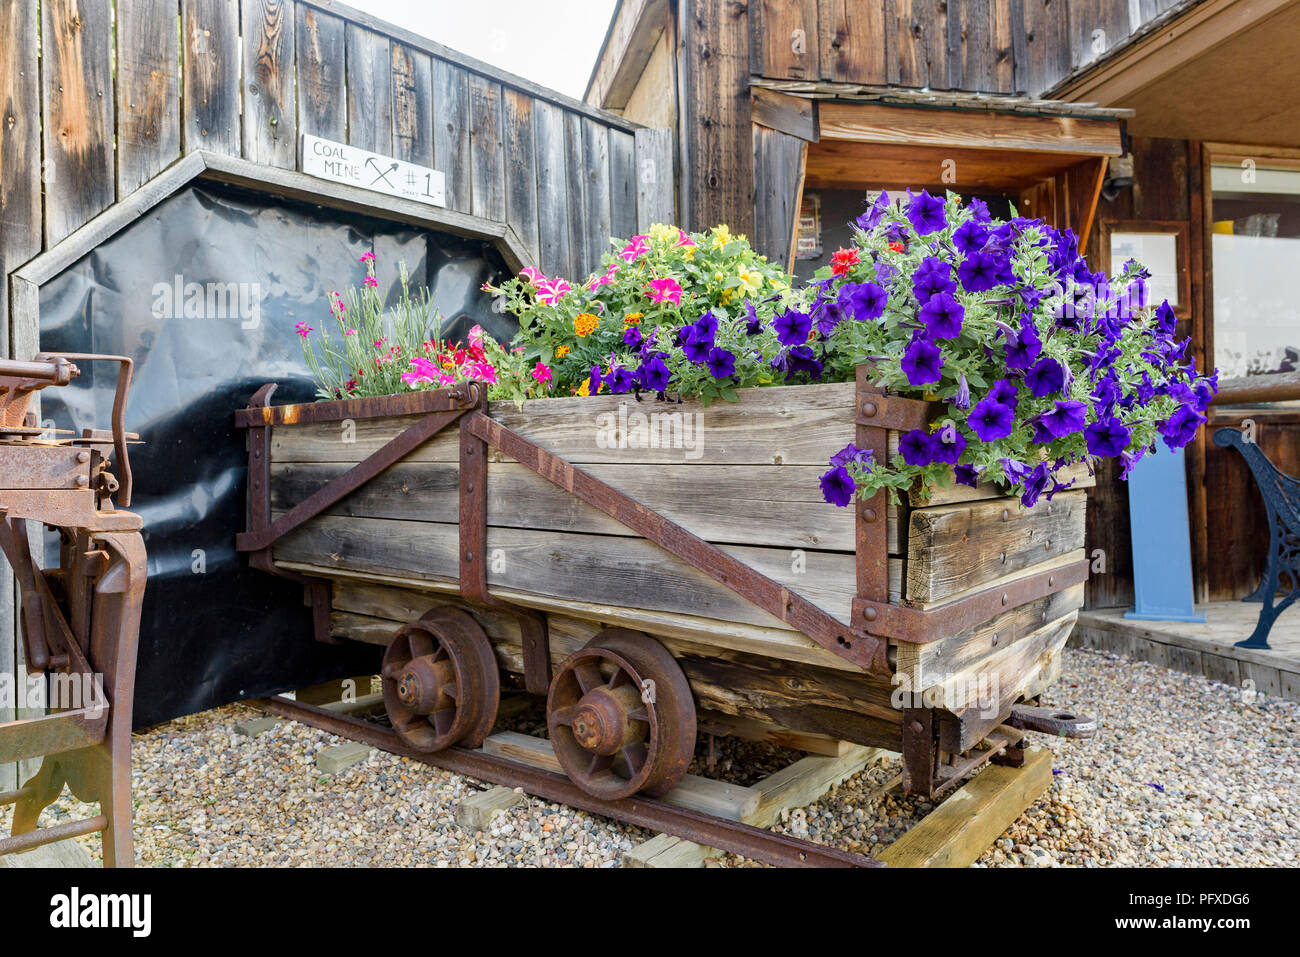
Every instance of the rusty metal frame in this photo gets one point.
(744, 839)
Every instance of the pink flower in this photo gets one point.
(483, 372)
(666, 290)
(367, 258)
(349, 332)
(302, 329)
(636, 246)
(476, 336)
(685, 239)
(422, 372)
(553, 290)
(542, 373)
(534, 276)
(372, 282)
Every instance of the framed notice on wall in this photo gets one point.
(327, 159)
(1161, 247)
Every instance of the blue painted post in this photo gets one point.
(1162, 551)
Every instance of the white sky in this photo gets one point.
(551, 42)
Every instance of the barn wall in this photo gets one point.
(247, 79)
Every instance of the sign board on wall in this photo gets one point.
(341, 163)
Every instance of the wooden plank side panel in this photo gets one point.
(210, 76)
(655, 194)
(596, 186)
(451, 132)
(369, 90)
(622, 184)
(851, 35)
(412, 105)
(916, 40)
(783, 39)
(148, 90)
(575, 163)
(1096, 26)
(77, 81)
(270, 107)
(778, 181)
(488, 175)
(1047, 44)
(322, 57)
(715, 117)
(552, 189)
(521, 168)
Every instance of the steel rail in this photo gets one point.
(744, 839)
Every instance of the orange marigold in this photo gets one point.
(633, 318)
(561, 352)
(584, 324)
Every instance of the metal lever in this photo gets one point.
(122, 461)
(1057, 721)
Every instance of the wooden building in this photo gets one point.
(1120, 119)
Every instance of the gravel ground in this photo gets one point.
(1183, 772)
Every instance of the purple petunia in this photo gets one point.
(916, 447)
(1065, 419)
(864, 458)
(864, 300)
(1035, 482)
(620, 381)
(721, 363)
(947, 446)
(991, 420)
(942, 315)
(753, 324)
(871, 218)
(653, 374)
(1106, 438)
(1004, 392)
(838, 486)
(932, 277)
(980, 272)
(1180, 428)
(966, 475)
(970, 237)
(922, 361)
(829, 316)
(925, 213)
(696, 345)
(1022, 352)
(792, 327)
(1047, 377)
(632, 337)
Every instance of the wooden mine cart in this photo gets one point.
(657, 568)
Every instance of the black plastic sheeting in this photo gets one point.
(214, 630)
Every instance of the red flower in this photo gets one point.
(895, 247)
(843, 260)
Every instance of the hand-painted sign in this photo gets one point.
(341, 163)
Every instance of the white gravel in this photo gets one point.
(1183, 772)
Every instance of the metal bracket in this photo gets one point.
(1056, 721)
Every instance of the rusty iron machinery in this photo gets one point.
(80, 621)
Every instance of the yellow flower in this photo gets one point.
(663, 233)
(584, 324)
(585, 388)
(633, 318)
(726, 296)
(721, 236)
(561, 352)
(753, 281)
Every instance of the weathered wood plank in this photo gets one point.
(77, 80)
(794, 115)
(851, 47)
(953, 548)
(962, 827)
(552, 189)
(521, 168)
(1079, 474)
(148, 91)
(925, 666)
(783, 39)
(784, 425)
(596, 192)
(451, 132)
(979, 698)
(322, 57)
(412, 105)
(270, 109)
(1047, 45)
(718, 142)
(369, 90)
(750, 505)
(580, 257)
(622, 184)
(655, 196)
(916, 40)
(599, 568)
(487, 178)
(210, 79)
(778, 184)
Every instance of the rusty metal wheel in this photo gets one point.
(621, 716)
(441, 685)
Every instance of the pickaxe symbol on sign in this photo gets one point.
(383, 173)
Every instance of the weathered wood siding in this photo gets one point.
(245, 80)
(989, 46)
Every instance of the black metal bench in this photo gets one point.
(1281, 494)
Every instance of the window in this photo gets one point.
(1256, 256)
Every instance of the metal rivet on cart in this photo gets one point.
(868, 409)
(869, 514)
(1005, 598)
(869, 614)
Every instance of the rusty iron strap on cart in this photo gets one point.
(752, 585)
(746, 840)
